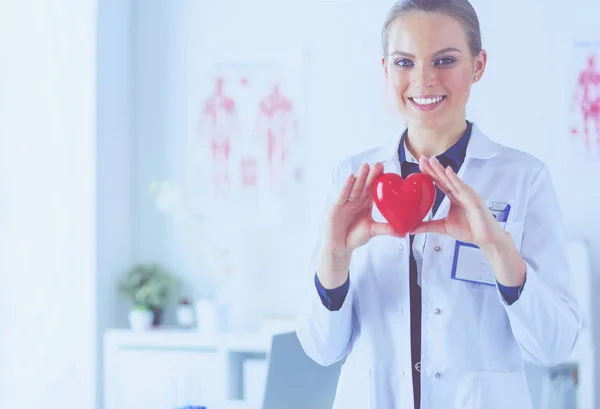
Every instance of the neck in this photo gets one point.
(433, 142)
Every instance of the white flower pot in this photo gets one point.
(185, 316)
(140, 320)
(206, 316)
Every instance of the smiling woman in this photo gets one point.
(483, 293)
(431, 55)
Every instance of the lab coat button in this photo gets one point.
(400, 247)
(437, 375)
(437, 248)
(437, 311)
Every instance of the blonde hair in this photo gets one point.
(461, 10)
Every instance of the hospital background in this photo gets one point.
(193, 141)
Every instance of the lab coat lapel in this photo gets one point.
(480, 147)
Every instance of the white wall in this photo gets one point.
(151, 138)
(529, 46)
(47, 204)
(114, 164)
(175, 44)
(522, 100)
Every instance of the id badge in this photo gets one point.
(470, 263)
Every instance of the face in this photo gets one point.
(429, 69)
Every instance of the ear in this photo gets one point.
(480, 64)
(385, 70)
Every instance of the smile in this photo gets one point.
(427, 103)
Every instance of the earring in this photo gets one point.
(476, 78)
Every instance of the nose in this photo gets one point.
(423, 76)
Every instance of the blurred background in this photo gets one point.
(163, 165)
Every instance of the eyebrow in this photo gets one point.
(437, 53)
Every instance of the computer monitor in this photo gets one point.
(294, 381)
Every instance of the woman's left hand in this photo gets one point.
(469, 219)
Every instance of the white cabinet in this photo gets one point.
(181, 377)
(162, 369)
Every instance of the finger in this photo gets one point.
(428, 170)
(457, 186)
(376, 171)
(455, 181)
(432, 226)
(465, 194)
(361, 177)
(455, 195)
(441, 173)
(345, 192)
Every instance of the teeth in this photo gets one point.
(427, 101)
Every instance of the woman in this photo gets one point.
(418, 327)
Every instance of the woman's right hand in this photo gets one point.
(350, 225)
(350, 222)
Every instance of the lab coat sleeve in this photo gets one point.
(324, 335)
(545, 319)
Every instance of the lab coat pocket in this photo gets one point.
(353, 390)
(500, 390)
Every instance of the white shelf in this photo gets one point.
(140, 366)
(190, 339)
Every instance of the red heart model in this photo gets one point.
(404, 202)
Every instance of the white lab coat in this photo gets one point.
(473, 343)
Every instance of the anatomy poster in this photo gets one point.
(251, 139)
(584, 111)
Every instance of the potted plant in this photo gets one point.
(150, 287)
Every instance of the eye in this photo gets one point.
(445, 61)
(404, 63)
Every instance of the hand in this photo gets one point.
(469, 219)
(350, 223)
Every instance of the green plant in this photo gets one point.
(149, 286)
